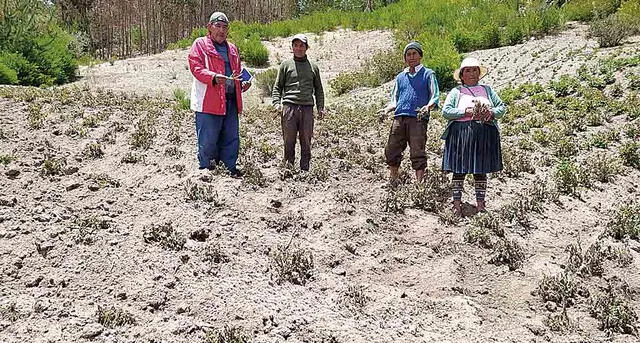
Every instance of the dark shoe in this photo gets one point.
(236, 173)
(457, 208)
(481, 206)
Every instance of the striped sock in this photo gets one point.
(480, 186)
(457, 185)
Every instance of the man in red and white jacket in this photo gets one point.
(216, 95)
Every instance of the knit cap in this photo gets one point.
(413, 45)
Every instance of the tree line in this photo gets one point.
(118, 29)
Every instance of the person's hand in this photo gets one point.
(487, 115)
(220, 79)
(246, 85)
(383, 112)
(276, 110)
(321, 114)
(468, 112)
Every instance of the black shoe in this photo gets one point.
(236, 173)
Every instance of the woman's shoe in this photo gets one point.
(481, 206)
(457, 208)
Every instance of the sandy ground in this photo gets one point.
(78, 241)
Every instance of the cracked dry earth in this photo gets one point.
(102, 241)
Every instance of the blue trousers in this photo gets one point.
(219, 137)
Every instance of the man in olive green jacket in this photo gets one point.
(296, 85)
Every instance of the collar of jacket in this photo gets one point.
(210, 48)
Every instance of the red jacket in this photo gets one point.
(204, 62)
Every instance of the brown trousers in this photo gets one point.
(297, 121)
(409, 130)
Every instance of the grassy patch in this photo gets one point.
(227, 335)
(165, 235)
(509, 252)
(294, 265)
(112, 317)
(614, 313)
(625, 222)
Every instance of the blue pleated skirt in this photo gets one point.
(472, 148)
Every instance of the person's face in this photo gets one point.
(218, 31)
(412, 57)
(470, 75)
(299, 48)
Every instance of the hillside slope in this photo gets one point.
(108, 232)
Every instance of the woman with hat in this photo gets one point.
(472, 139)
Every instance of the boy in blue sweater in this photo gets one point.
(414, 94)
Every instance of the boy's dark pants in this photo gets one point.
(409, 130)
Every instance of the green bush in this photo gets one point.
(628, 14)
(568, 177)
(34, 46)
(630, 154)
(27, 72)
(586, 10)
(625, 222)
(610, 31)
(381, 68)
(8, 76)
(265, 81)
(253, 52)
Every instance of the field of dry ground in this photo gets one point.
(109, 233)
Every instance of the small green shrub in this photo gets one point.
(227, 335)
(253, 52)
(478, 235)
(432, 194)
(559, 321)
(568, 177)
(265, 81)
(610, 31)
(560, 289)
(516, 162)
(509, 252)
(630, 154)
(145, 132)
(165, 235)
(201, 192)
(614, 313)
(625, 222)
(182, 101)
(35, 116)
(253, 175)
(93, 150)
(588, 262)
(132, 158)
(382, 67)
(6, 159)
(53, 166)
(112, 317)
(291, 264)
(355, 298)
(8, 76)
(564, 86)
(395, 199)
(602, 167)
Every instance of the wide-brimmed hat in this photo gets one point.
(470, 62)
(301, 38)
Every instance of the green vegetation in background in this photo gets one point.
(33, 49)
(445, 28)
(587, 10)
